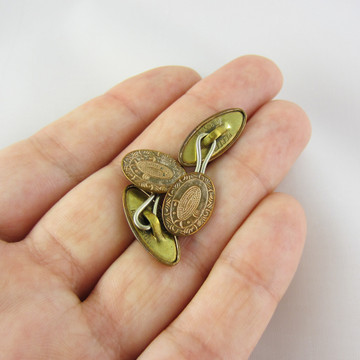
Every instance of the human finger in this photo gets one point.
(38, 171)
(228, 315)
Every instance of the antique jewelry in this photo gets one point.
(189, 197)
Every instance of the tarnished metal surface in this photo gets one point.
(159, 243)
(188, 204)
(152, 171)
(224, 127)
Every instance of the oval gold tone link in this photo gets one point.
(155, 225)
(234, 120)
(188, 204)
(159, 243)
(151, 171)
(215, 134)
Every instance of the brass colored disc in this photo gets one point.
(188, 204)
(151, 171)
(225, 126)
(164, 247)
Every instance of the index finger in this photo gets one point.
(36, 172)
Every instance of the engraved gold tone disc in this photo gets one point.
(151, 171)
(162, 245)
(188, 204)
(224, 127)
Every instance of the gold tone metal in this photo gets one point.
(155, 225)
(188, 204)
(233, 119)
(190, 197)
(215, 134)
(159, 243)
(151, 171)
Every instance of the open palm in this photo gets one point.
(73, 282)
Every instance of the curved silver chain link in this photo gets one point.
(142, 207)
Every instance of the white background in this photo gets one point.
(54, 55)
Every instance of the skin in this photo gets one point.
(74, 283)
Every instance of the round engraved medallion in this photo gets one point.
(151, 171)
(188, 204)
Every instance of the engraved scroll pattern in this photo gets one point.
(151, 170)
(177, 226)
(189, 202)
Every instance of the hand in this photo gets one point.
(73, 282)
